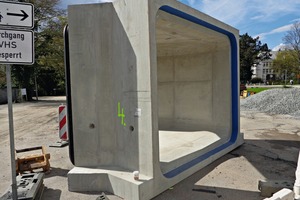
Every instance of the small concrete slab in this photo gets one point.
(269, 187)
(59, 144)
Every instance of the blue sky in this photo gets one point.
(268, 19)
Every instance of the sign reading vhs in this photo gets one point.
(16, 47)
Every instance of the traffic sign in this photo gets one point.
(16, 47)
(14, 15)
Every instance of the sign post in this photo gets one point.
(16, 47)
(11, 131)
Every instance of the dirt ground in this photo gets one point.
(270, 151)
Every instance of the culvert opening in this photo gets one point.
(194, 89)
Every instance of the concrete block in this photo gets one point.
(283, 194)
(297, 192)
(154, 88)
(269, 187)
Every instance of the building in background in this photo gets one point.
(264, 69)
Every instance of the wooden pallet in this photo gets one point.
(29, 163)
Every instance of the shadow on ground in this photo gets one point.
(57, 172)
(266, 157)
(51, 194)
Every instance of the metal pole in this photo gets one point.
(11, 134)
(36, 88)
(285, 78)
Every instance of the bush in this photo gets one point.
(256, 80)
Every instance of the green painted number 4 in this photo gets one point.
(121, 114)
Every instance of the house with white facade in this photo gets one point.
(264, 69)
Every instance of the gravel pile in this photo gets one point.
(284, 101)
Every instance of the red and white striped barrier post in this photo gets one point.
(63, 134)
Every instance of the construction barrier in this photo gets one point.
(63, 135)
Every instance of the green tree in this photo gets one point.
(252, 51)
(286, 62)
(2, 77)
(51, 74)
(48, 68)
(292, 39)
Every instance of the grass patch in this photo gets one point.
(257, 90)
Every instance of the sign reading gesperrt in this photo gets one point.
(16, 14)
(16, 47)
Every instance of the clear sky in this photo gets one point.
(268, 19)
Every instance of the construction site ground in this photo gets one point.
(270, 151)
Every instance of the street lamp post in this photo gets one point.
(285, 78)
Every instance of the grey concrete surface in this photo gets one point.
(157, 66)
(270, 152)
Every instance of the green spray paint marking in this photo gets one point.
(121, 114)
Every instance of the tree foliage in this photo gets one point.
(2, 77)
(252, 51)
(256, 80)
(292, 38)
(286, 62)
(48, 68)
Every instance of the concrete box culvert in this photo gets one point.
(160, 82)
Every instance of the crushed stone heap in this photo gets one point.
(284, 101)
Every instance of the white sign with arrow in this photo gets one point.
(13, 15)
